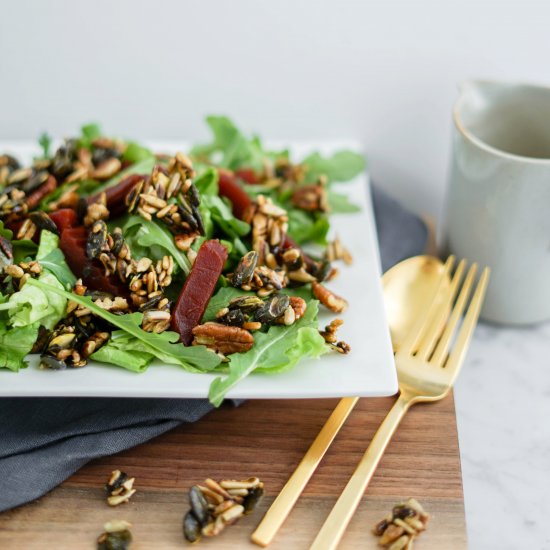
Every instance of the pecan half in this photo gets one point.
(311, 198)
(327, 298)
(223, 338)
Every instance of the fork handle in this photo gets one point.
(293, 488)
(335, 525)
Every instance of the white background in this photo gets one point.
(385, 73)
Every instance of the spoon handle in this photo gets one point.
(283, 504)
(336, 523)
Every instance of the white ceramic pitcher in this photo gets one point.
(498, 202)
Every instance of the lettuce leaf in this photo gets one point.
(51, 257)
(341, 166)
(15, 344)
(32, 305)
(117, 353)
(278, 349)
(164, 346)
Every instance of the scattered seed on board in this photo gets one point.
(217, 505)
(402, 525)
(116, 535)
(119, 488)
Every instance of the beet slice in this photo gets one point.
(49, 186)
(198, 288)
(248, 176)
(64, 218)
(73, 245)
(116, 195)
(230, 188)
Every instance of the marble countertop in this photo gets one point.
(503, 412)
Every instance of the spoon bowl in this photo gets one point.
(409, 288)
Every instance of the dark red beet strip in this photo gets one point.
(230, 188)
(198, 289)
(64, 218)
(73, 245)
(248, 176)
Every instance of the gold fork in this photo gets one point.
(427, 369)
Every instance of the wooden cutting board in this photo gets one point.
(265, 439)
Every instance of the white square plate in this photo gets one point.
(367, 371)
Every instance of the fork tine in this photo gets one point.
(445, 341)
(411, 342)
(456, 358)
(434, 331)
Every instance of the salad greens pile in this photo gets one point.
(102, 239)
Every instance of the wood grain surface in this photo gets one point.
(266, 439)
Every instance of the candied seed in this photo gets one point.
(391, 534)
(400, 543)
(154, 201)
(233, 513)
(238, 492)
(222, 312)
(115, 500)
(156, 315)
(116, 525)
(289, 316)
(14, 271)
(222, 507)
(252, 325)
(143, 265)
(144, 214)
(210, 495)
(408, 529)
(249, 483)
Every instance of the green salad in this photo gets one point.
(215, 261)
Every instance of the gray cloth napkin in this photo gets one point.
(43, 441)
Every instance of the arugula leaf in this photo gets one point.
(45, 141)
(88, 133)
(277, 349)
(136, 153)
(342, 166)
(165, 346)
(304, 227)
(340, 204)
(237, 151)
(51, 257)
(5, 232)
(207, 182)
(149, 234)
(224, 219)
(15, 344)
(22, 249)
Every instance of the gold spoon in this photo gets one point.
(409, 288)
